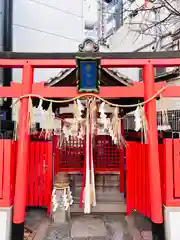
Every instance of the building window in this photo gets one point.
(157, 72)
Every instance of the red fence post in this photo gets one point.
(23, 149)
(168, 172)
(153, 154)
(122, 161)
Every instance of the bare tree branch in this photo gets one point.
(157, 19)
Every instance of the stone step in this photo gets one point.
(109, 200)
(102, 207)
(107, 180)
(103, 194)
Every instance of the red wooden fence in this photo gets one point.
(171, 172)
(137, 174)
(7, 172)
(137, 178)
(70, 156)
(40, 174)
(40, 170)
(106, 154)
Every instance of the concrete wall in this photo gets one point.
(47, 26)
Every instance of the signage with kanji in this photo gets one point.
(88, 74)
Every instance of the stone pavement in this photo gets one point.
(90, 227)
(97, 227)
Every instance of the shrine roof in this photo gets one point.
(109, 77)
(168, 76)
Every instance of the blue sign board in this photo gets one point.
(88, 75)
(3, 115)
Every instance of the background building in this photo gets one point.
(47, 26)
(147, 29)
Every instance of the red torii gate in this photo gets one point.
(146, 90)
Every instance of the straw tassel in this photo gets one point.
(164, 113)
(144, 124)
(16, 113)
(30, 113)
(137, 119)
(122, 140)
(115, 129)
(87, 180)
(49, 121)
(93, 109)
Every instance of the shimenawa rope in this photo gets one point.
(90, 95)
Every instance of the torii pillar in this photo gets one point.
(22, 157)
(152, 145)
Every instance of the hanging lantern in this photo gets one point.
(88, 74)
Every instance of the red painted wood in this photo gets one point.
(13, 168)
(129, 175)
(7, 175)
(137, 90)
(143, 179)
(119, 63)
(176, 165)
(147, 186)
(137, 179)
(139, 172)
(105, 63)
(52, 63)
(70, 157)
(46, 180)
(161, 162)
(49, 171)
(35, 189)
(153, 155)
(41, 173)
(122, 170)
(31, 174)
(135, 152)
(23, 148)
(122, 163)
(28, 179)
(1, 167)
(7, 169)
(168, 170)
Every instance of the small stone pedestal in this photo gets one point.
(5, 223)
(61, 199)
(172, 223)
